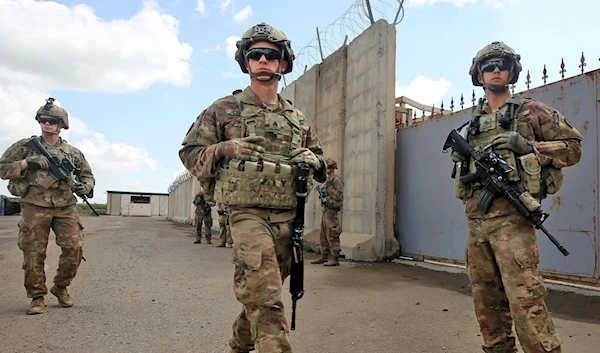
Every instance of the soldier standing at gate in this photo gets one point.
(502, 254)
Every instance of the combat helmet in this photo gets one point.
(331, 163)
(492, 50)
(50, 109)
(264, 32)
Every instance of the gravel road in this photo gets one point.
(146, 288)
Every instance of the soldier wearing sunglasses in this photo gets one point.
(47, 203)
(502, 254)
(244, 149)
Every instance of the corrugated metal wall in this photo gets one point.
(430, 221)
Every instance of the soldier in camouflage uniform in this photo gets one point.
(203, 216)
(244, 148)
(48, 204)
(226, 240)
(502, 254)
(331, 226)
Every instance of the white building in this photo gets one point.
(128, 203)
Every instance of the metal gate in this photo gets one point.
(430, 221)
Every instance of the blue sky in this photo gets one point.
(134, 74)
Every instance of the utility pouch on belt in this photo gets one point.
(532, 173)
(256, 184)
(18, 187)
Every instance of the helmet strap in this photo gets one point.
(271, 76)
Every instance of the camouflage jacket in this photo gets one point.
(334, 190)
(33, 183)
(556, 143)
(222, 121)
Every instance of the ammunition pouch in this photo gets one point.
(532, 173)
(256, 184)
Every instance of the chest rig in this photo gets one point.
(42, 177)
(267, 183)
(481, 131)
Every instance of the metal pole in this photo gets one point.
(369, 10)
(319, 40)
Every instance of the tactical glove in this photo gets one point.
(513, 141)
(243, 149)
(304, 155)
(39, 162)
(82, 189)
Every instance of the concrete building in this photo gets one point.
(128, 203)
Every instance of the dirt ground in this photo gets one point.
(146, 288)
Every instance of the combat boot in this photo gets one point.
(229, 245)
(64, 299)
(37, 306)
(321, 260)
(221, 245)
(334, 260)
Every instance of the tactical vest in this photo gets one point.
(42, 177)
(267, 183)
(527, 174)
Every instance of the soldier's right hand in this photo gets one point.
(39, 162)
(244, 149)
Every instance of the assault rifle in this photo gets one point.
(203, 204)
(297, 268)
(491, 172)
(60, 170)
(323, 197)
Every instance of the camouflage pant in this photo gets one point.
(330, 232)
(34, 229)
(262, 258)
(225, 230)
(207, 220)
(502, 258)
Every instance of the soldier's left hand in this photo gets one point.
(82, 189)
(513, 141)
(304, 155)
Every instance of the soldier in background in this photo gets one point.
(47, 203)
(250, 140)
(502, 254)
(331, 226)
(226, 240)
(203, 216)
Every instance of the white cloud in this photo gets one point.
(460, 3)
(109, 157)
(72, 48)
(425, 90)
(243, 15)
(224, 4)
(213, 49)
(200, 7)
(230, 47)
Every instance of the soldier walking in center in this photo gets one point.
(47, 203)
(502, 254)
(203, 216)
(245, 148)
(331, 226)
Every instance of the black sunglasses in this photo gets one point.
(329, 167)
(50, 121)
(257, 53)
(490, 66)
